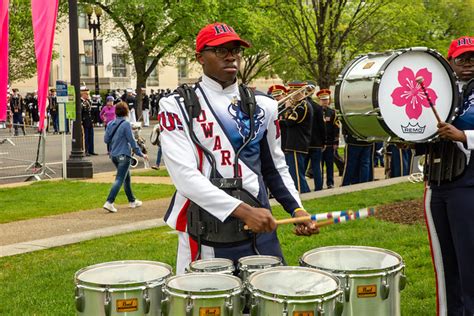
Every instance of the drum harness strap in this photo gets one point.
(202, 226)
(446, 162)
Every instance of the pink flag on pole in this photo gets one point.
(44, 14)
(3, 59)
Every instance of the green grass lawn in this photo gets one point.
(41, 283)
(151, 173)
(57, 197)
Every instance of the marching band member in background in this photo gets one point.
(278, 92)
(331, 141)
(17, 109)
(358, 155)
(316, 145)
(221, 126)
(449, 195)
(298, 121)
(87, 122)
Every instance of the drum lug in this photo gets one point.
(146, 301)
(164, 306)
(403, 280)
(80, 300)
(229, 306)
(319, 309)
(107, 303)
(347, 289)
(384, 288)
(339, 308)
(189, 306)
(285, 309)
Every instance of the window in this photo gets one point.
(84, 68)
(89, 52)
(182, 68)
(82, 20)
(119, 66)
(153, 79)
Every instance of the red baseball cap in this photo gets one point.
(217, 34)
(460, 46)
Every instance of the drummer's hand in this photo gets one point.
(258, 220)
(145, 156)
(307, 228)
(448, 131)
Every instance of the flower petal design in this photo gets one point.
(399, 96)
(433, 97)
(404, 74)
(427, 76)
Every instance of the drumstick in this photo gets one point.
(329, 218)
(420, 81)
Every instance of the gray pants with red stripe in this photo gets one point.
(450, 219)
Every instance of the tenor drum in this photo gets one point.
(131, 287)
(212, 265)
(250, 264)
(203, 294)
(371, 278)
(379, 99)
(294, 291)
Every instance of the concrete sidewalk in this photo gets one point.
(53, 231)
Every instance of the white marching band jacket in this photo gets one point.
(221, 128)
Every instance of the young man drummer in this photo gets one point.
(220, 128)
(449, 197)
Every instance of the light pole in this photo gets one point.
(77, 166)
(94, 26)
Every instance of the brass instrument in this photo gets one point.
(307, 90)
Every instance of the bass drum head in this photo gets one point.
(404, 106)
(118, 274)
(352, 259)
(295, 282)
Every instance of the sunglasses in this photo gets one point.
(460, 61)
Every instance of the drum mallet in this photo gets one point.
(420, 81)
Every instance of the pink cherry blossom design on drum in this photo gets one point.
(410, 93)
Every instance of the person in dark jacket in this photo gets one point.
(316, 146)
(331, 124)
(120, 141)
(87, 122)
(298, 121)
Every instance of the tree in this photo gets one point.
(152, 29)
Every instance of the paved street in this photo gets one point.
(101, 163)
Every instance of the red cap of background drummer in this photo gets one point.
(460, 46)
(324, 94)
(217, 34)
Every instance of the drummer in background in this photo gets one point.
(278, 92)
(449, 203)
(298, 121)
(358, 157)
(400, 160)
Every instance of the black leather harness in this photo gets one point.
(202, 226)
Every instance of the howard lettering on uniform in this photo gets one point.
(413, 128)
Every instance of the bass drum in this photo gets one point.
(379, 99)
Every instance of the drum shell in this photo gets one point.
(353, 283)
(178, 301)
(364, 87)
(269, 304)
(245, 270)
(139, 298)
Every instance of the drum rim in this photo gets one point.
(229, 268)
(391, 136)
(95, 285)
(251, 267)
(389, 269)
(204, 294)
(294, 298)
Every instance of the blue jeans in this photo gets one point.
(158, 156)
(122, 163)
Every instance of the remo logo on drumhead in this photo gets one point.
(404, 105)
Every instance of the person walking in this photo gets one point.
(120, 143)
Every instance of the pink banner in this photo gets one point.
(44, 14)
(3, 59)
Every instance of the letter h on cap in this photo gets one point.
(222, 28)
